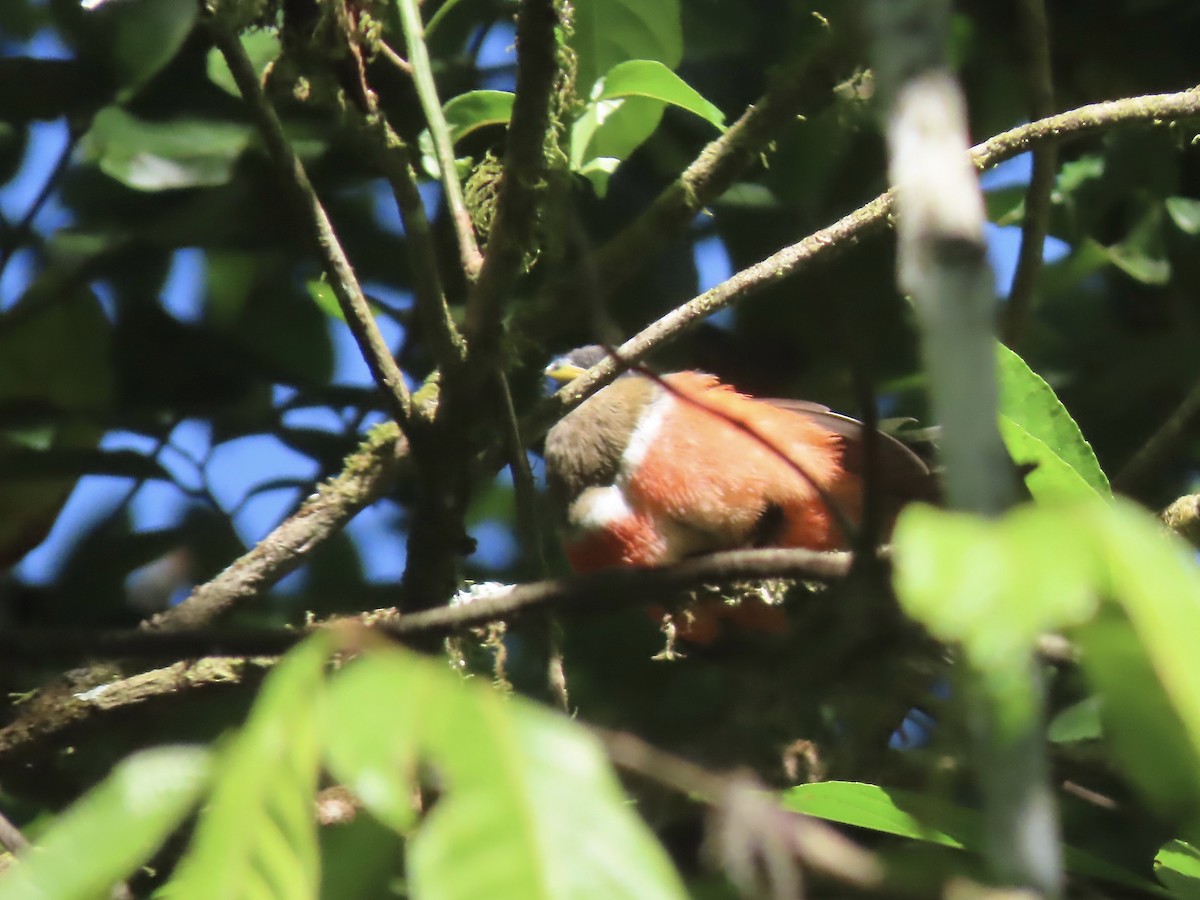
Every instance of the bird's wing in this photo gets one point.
(902, 473)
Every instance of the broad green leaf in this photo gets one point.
(477, 109)
(257, 836)
(141, 37)
(992, 586)
(910, 815)
(650, 78)
(607, 133)
(161, 156)
(1051, 478)
(1185, 213)
(1151, 686)
(1028, 402)
(1177, 865)
(113, 829)
(530, 808)
(610, 32)
(627, 105)
(465, 114)
(262, 46)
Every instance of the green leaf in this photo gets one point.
(1078, 722)
(607, 133)
(1185, 213)
(626, 106)
(910, 815)
(322, 295)
(257, 836)
(993, 586)
(116, 827)
(477, 109)
(1051, 479)
(650, 78)
(262, 46)
(465, 114)
(1031, 405)
(141, 37)
(530, 807)
(610, 32)
(160, 156)
(1177, 865)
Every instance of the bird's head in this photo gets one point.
(569, 366)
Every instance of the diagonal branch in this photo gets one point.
(333, 258)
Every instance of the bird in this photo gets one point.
(650, 471)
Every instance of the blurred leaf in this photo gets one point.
(610, 32)
(257, 835)
(1177, 866)
(56, 361)
(924, 818)
(161, 156)
(113, 829)
(1040, 430)
(1078, 722)
(531, 808)
(262, 46)
(1185, 213)
(992, 586)
(140, 37)
(650, 78)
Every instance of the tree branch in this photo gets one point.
(337, 267)
(364, 478)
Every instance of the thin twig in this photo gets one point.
(439, 131)
(365, 476)
(395, 59)
(1159, 446)
(337, 267)
(710, 175)
(17, 233)
(395, 162)
(867, 220)
(528, 519)
(1035, 32)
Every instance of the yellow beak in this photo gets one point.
(562, 370)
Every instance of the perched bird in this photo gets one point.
(647, 474)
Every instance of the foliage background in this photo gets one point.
(164, 365)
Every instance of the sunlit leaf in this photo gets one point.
(610, 32)
(925, 818)
(257, 835)
(1048, 434)
(529, 806)
(113, 829)
(1177, 865)
(650, 78)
